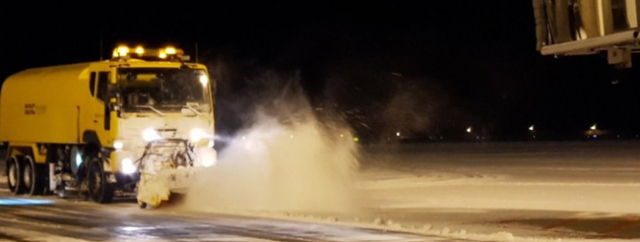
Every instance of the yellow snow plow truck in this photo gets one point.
(107, 129)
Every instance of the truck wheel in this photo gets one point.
(33, 177)
(14, 173)
(100, 190)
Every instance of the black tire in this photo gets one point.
(34, 177)
(14, 173)
(100, 190)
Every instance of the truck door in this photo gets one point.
(99, 104)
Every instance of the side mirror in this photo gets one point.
(113, 104)
(112, 90)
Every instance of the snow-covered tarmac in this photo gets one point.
(579, 190)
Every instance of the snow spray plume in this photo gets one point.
(286, 160)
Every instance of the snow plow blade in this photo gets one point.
(167, 169)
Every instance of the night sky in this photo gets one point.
(424, 68)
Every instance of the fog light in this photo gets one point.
(118, 145)
(150, 134)
(127, 166)
(207, 157)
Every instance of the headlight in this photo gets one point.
(127, 166)
(150, 134)
(207, 157)
(198, 134)
(118, 145)
(208, 162)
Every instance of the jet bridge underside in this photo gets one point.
(586, 27)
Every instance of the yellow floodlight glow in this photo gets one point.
(123, 50)
(162, 55)
(115, 54)
(139, 50)
(170, 51)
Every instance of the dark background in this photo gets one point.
(428, 69)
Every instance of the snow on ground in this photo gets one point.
(579, 191)
(15, 234)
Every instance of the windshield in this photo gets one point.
(164, 89)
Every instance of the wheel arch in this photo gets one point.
(92, 145)
(37, 152)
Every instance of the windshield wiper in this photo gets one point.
(193, 109)
(151, 108)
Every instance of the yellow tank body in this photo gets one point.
(46, 105)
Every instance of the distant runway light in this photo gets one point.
(469, 130)
(593, 127)
(531, 128)
(398, 134)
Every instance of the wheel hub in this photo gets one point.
(12, 175)
(27, 176)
